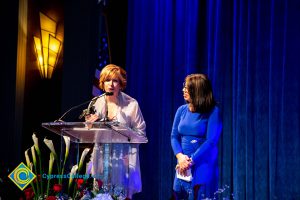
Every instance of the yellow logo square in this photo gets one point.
(21, 176)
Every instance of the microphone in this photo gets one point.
(77, 106)
(91, 108)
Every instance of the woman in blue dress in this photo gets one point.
(195, 134)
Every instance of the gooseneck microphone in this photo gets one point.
(91, 108)
(93, 100)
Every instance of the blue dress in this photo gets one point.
(197, 135)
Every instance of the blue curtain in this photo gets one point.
(251, 52)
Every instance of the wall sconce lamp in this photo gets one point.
(48, 47)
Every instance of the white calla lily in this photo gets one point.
(31, 166)
(50, 145)
(67, 142)
(83, 155)
(33, 155)
(36, 143)
(27, 158)
(35, 166)
(37, 149)
(51, 161)
(72, 173)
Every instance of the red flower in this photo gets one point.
(57, 187)
(100, 183)
(51, 198)
(79, 182)
(29, 194)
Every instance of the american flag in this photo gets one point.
(103, 60)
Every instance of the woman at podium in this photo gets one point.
(117, 163)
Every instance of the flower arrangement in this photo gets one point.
(62, 188)
(222, 193)
(55, 188)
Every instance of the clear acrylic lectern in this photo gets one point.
(114, 144)
(96, 132)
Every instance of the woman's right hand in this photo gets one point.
(184, 162)
(91, 118)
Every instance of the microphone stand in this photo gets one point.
(77, 106)
(112, 128)
(106, 122)
(106, 111)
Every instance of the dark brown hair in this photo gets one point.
(200, 91)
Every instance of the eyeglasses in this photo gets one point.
(184, 86)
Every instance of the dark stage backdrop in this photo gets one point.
(250, 51)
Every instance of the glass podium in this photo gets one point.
(115, 150)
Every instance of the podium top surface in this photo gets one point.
(96, 132)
